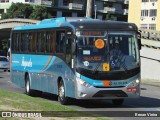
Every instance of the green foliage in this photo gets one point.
(5, 16)
(4, 46)
(39, 13)
(108, 16)
(21, 10)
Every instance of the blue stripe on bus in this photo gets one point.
(31, 63)
(100, 83)
(50, 64)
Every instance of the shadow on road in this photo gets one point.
(142, 102)
(143, 88)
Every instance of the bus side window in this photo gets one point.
(13, 41)
(17, 40)
(68, 50)
(41, 42)
(50, 41)
(32, 42)
(60, 41)
(26, 42)
(48, 38)
(38, 42)
(23, 42)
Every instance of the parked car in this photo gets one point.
(4, 63)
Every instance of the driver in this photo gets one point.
(115, 51)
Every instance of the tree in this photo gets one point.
(39, 13)
(20, 10)
(5, 16)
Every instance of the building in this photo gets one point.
(103, 9)
(146, 14)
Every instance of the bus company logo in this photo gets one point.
(26, 63)
(110, 83)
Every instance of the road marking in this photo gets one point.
(152, 109)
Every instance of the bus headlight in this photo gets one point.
(134, 83)
(132, 87)
(83, 82)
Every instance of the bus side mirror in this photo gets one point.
(69, 34)
(73, 47)
(139, 40)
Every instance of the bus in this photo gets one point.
(74, 58)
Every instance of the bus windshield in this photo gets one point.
(120, 51)
(89, 54)
(123, 49)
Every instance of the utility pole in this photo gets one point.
(95, 10)
(89, 8)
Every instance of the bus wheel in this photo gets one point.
(61, 93)
(118, 101)
(28, 91)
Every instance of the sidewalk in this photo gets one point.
(151, 82)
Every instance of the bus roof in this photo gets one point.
(79, 23)
(104, 25)
(51, 23)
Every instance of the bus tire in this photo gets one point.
(28, 90)
(118, 101)
(61, 93)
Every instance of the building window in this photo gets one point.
(152, 26)
(26, 0)
(144, 26)
(65, 2)
(1, 11)
(32, 1)
(144, 12)
(153, 12)
(2, 1)
(145, 0)
(153, 0)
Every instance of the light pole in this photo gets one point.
(95, 10)
(89, 8)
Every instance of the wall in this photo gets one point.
(158, 16)
(134, 12)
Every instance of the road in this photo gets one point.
(149, 100)
(150, 68)
(150, 42)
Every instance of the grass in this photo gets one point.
(24, 102)
(10, 101)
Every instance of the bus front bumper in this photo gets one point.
(91, 92)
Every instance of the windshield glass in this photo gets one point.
(123, 51)
(119, 52)
(91, 51)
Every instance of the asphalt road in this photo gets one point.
(149, 100)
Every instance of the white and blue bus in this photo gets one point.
(79, 58)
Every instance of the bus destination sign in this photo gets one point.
(92, 33)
